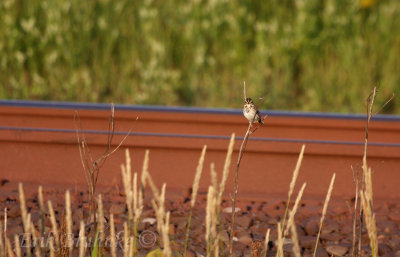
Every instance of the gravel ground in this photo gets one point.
(253, 219)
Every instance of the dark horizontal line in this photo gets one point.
(215, 137)
(152, 108)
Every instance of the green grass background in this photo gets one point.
(311, 55)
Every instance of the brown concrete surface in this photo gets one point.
(175, 140)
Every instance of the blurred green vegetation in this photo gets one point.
(312, 55)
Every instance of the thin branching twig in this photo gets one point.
(91, 167)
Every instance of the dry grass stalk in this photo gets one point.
(197, 176)
(18, 251)
(134, 196)
(41, 210)
(354, 243)
(295, 239)
(216, 246)
(292, 185)
(100, 221)
(54, 225)
(213, 176)
(127, 182)
(279, 252)
(225, 172)
(131, 250)
(113, 238)
(24, 215)
(64, 252)
(161, 216)
(35, 239)
(366, 208)
(165, 237)
(370, 222)
(68, 213)
(9, 248)
(324, 209)
(82, 239)
(154, 189)
(295, 206)
(51, 247)
(195, 188)
(90, 166)
(265, 248)
(211, 220)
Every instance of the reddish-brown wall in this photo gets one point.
(175, 139)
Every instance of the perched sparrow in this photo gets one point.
(250, 111)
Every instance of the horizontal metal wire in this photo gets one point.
(195, 136)
(97, 106)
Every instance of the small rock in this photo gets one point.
(307, 242)
(245, 239)
(243, 221)
(225, 237)
(336, 250)
(311, 227)
(329, 227)
(117, 208)
(151, 221)
(229, 210)
(14, 211)
(180, 222)
(321, 252)
(383, 249)
(394, 217)
(333, 237)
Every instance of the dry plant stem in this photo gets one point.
(35, 240)
(41, 209)
(17, 246)
(54, 225)
(51, 246)
(241, 151)
(82, 239)
(354, 243)
(195, 188)
(100, 222)
(9, 248)
(265, 249)
(113, 239)
(295, 239)
(295, 206)
(370, 221)
(211, 221)
(100, 225)
(90, 166)
(279, 252)
(292, 185)
(370, 104)
(328, 197)
(24, 215)
(69, 222)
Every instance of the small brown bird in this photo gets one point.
(251, 112)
